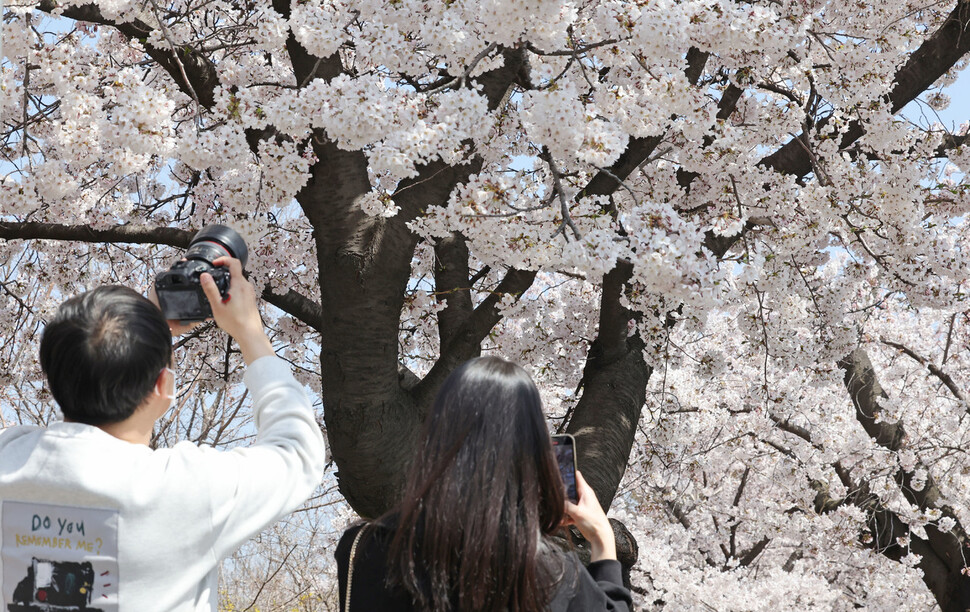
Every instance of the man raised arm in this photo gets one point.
(95, 519)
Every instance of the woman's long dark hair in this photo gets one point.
(483, 488)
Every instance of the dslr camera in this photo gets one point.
(179, 289)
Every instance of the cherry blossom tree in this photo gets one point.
(735, 269)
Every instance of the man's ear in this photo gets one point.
(162, 382)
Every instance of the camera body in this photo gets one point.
(179, 289)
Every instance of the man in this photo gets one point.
(92, 517)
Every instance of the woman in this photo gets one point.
(482, 499)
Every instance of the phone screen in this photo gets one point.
(564, 446)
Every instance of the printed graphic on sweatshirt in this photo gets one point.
(59, 558)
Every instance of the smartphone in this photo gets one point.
(564, 445)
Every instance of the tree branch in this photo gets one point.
(467, 340)
(614, 387)
(194, 74)
(292, 303)
(938, 54)
(639, 148)
(296, 305)
(753, 552)
(788, 426)
(935, 370)
(948, 583)
(451, 281)
(121, 234)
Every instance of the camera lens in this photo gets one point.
(215, 241)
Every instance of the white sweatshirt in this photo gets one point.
(88, 518)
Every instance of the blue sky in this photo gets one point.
(958, 112)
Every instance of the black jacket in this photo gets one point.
(598, 587)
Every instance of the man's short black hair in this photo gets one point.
(102, 353)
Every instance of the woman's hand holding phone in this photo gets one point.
(589, 518)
